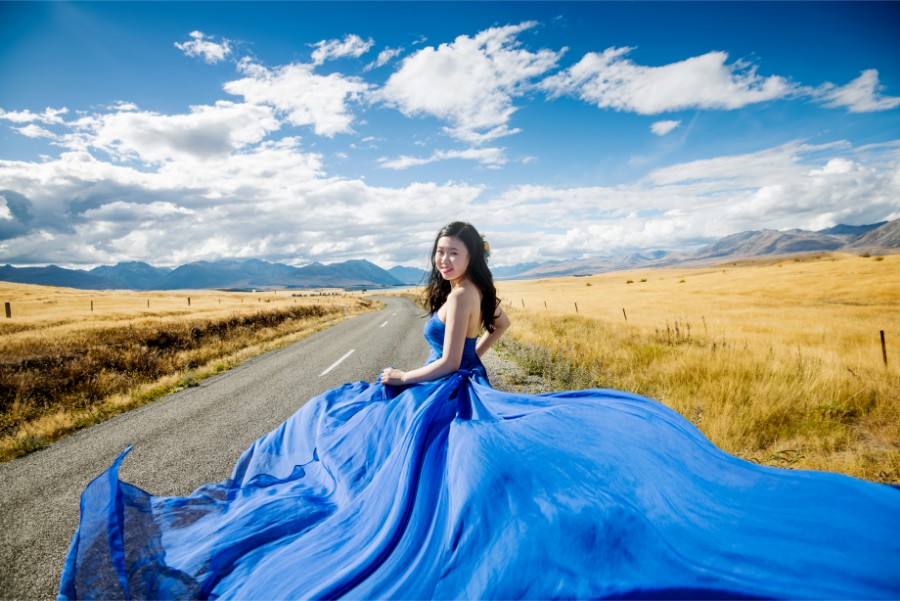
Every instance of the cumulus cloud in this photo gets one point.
(490, 157)
(271, 202)
(686, 205)
(206, 132)
(35, 131)
(216, 180)
(862, 95)
(352, 45)
(49, 116)
(301, 95)
(274, 201)
(469, 83)
(201, 45)
(15, 214)
(611, 80)
(662, 128)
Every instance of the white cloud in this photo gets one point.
(121, 211)
(470, 82)
(35, 131)
(661, 128)
(384, 57)
(271, 202)
(768, 165)
(121, 105)
(202, 46)
(490, 157)
(49, 116)
(834, 166)
(611, 80)
(213, 181)
(302, 96)
(686, 205)
(206, 132)
(351, 45)
(862, 95)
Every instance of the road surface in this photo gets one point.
(186, 439)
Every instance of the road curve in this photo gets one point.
(186, 439)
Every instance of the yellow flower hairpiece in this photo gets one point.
(487, 248)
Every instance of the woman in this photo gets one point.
(432, 484)
(460, 294)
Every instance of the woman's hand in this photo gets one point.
(392, 375)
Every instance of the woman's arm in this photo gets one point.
(460, 306)
(501, 324)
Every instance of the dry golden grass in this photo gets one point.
(778, 361)
(71, 358)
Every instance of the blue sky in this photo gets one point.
(324, 131)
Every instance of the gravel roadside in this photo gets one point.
(505, 374)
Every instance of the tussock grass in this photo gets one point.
(66, 367)
(779, 362)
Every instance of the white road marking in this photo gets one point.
(382, 325)
(336, 363)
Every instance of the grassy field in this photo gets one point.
(778, 361)
(71, 358)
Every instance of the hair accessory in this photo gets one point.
(487, 248)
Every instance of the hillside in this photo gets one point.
(885, 236)
(876, 237)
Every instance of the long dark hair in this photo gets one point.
(437, 289)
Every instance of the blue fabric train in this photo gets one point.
(452, 489)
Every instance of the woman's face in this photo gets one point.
(451, 257)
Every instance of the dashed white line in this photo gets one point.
(336, 363)
(382, 325)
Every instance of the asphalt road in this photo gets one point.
(186, 439)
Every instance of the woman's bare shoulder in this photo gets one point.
(466, 295)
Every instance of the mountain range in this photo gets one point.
(876, 237)
(245, 274)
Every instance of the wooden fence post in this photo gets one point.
(189, 301)
(576, 308)
(92, 306)
(883, 349)
(624, 313)
(8, 311)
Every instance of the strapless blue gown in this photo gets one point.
(452, 489)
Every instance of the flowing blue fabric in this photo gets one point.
(451, 489)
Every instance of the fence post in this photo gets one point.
(576, 308)
(189, 301)
(624, 313)
(92, 306)
(883, 349)
(8, 311)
